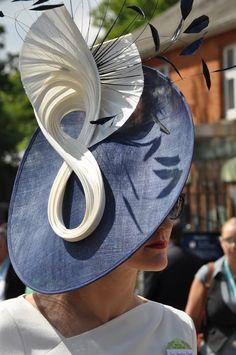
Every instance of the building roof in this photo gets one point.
(222, 15)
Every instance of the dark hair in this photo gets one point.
(177, 233)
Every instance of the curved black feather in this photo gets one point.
(186, 7)
(206, 74)
(40, 2)
(137, 9)
(46, 7)
(192, 47)
(165, 59)
(102, 120)
(155, 36)
(198, 24)
(224, 69)
(162, 127)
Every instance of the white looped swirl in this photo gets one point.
(60, 76)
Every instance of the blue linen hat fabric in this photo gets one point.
(132, 168)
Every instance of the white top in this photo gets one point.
(144, 330)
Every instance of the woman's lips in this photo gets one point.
(161, 244)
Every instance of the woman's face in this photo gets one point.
(152, 256)
(228, 241)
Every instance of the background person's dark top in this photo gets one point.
(14, 287)
(171, 286)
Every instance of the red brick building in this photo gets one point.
(211, 190)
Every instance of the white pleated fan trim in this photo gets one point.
(60, 75)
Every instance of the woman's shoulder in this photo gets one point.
(23, 329)
(172, 324)
(203, 273)
(177, 315)
(7, 310)
(170, 315)
(10, 337)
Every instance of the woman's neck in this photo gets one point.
(106, 298)
(75, 312)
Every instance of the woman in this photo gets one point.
(94, 198)
(220, 311)
(104, 317)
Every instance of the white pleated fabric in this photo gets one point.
(60, 76)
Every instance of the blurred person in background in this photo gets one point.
(219, 329)
(10, 284)
(171, 286)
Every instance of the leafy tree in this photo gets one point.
(108, 10)
(17, 122)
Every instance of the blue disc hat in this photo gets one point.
(107, 164)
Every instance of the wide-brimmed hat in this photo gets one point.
(107, 165)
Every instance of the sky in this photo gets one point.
(13, 40)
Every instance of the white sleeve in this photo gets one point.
(194, 336)
(190, 330)
(10, 339)
(181, 326)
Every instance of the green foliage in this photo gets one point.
(108, 10)
(17, 121)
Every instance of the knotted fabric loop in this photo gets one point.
(60, 76)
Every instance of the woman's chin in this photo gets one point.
(157, 263)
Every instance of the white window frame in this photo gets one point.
(230, 112)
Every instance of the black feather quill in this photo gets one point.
(206, 74)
